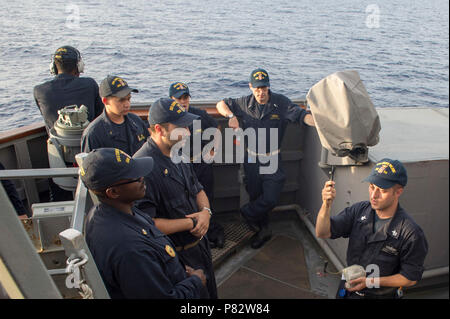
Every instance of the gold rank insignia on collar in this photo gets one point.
(170, 251)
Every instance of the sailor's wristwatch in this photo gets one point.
(208, 209)
(230, 116)
(194, 222)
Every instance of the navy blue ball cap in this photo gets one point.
(104, 167)
(115, 86)
(259, 78)
(178, 89)
(167, 110)
(387, 173)
(67, 52)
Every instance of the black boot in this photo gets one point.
(253, 226)
(216, 235)
(220, 242)
(261, 237)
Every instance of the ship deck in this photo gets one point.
(290, 266)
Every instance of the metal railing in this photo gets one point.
(89, 284)
(22, 272)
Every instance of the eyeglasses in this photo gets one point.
(128, 182)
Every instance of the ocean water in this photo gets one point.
(400, 48)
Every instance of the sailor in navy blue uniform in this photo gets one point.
(115, 127)
(67, 88)
(383, 238)
(176, 201)
(202, 164)
(265, 110)
(134, 258)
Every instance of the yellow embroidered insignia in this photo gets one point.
(59, 51)
(121, 82)
(170, 251)
(166, 172)
(179, 107)
(180, 86)
(383, 167)
(117, 151)
(121, 154)
(260, 75)
(274, 117)
(144, 231)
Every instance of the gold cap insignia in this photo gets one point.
(120, 82)
(259, 75)
(59, 52)
(180, 86)
(118, 156)
(383, 167)
(180, 108)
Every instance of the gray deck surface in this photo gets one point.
(289, 266)
(284, 268)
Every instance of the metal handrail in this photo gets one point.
(27, 274)
(38, 173)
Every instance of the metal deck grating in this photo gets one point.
(237, 234)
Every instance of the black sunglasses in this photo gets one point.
(128, 182)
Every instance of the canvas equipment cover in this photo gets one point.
(345, 117)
